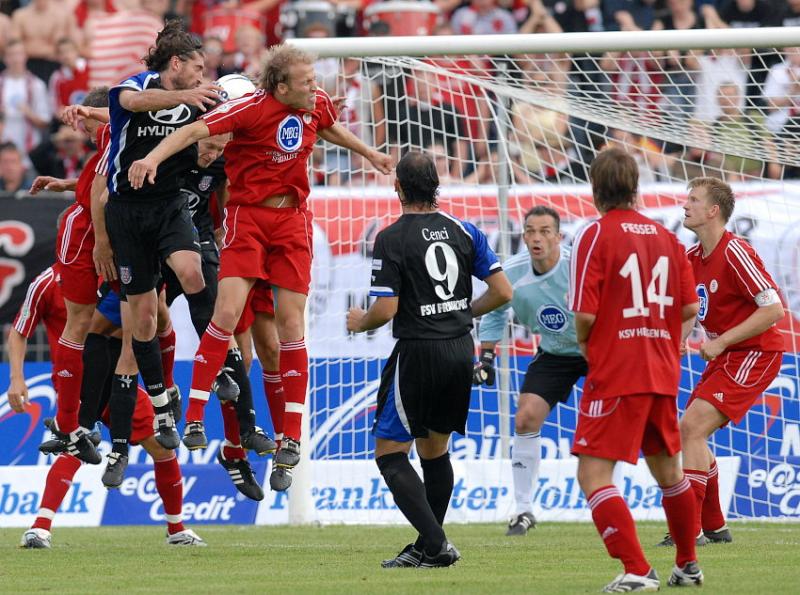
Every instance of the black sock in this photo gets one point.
(97, 363)
(121, 408)
(244, 404)
(114, 350)
(438, 476)
(201, 308)
(409, 495)
(148, 358)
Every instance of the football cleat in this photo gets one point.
(36, 539)
(56, 445)
(115, 470)
(625, 583)
(280, 479)
(520, 524)
(258, 441)
(164, 427)
(289, 453)
(225, 386)
(241, 475)
(186, 537)
(448, 556)
(688, 576)
(194, 435)
(409, 557)
(722, 535)
(77, 444)
(175, 404)
(668, 542)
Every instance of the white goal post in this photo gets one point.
(513, 121)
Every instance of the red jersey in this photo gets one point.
(728, 281)
(633, 275)
(43, 303)
(271, 145)
(69, 86)
(83, 188)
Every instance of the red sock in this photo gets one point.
(679, 506)
(68, 364)
(273, 388)
(698, 479)
(232, 448)
(711, 515)
(294, 375)
(166, 342)
(615, 524)
(169, 484)
(58, 481)
(207, 362)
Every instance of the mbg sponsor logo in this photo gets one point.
(552, 318)
(702, 295)
(781, 481)
(290, 134)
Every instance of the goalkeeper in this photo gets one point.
(540, 278)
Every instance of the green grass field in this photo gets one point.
(554, 558)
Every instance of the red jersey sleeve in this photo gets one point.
(326, 110)
(234, 114)
(585, 271)
(749, 272)
(36, 303)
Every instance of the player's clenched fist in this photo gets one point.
(484, 372)
(354, 318)
(142, 170)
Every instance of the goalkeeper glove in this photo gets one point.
(484, 371)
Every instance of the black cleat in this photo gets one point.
(225, 386)
(115, 470)
(166, 435)
(448, 556)
(258, 441)
(280, 479)
(688, 576)
(668, 542)
(722, 535)
(194, 435)
(77, 444)
(175, 404)
(242, 477)
(520, 524)
(289, 454)
(57, 445)
(409, 557)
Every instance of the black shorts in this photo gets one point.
(209, 263)
(425, 385)
(553, 377)
(143, 234)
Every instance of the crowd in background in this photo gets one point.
(53, 51)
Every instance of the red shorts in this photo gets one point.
(74, 246)
(143, 416)
(617, 429)
(259, 301)
(267, 243)
(736, 379)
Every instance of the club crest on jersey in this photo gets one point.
(205, 183)
(290, 134)
(713, 286)
(552, 318)
(307, 118)
(702, 295)
(174, 115)
(125, 275)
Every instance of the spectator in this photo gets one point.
(62, 155)
(14, 176)
(714, 68)
(790, 15)
(86, 13)
(539, 20)
(212, 50)
(653, 165)
(741, 14)
(482, 17)
(39, 26)
(708, 10)
(270, 10)
(5, 32)
(438, 152)
(576, 16)
(70, 83)
(250, 45)
(628, 15)
(24, 101)
(782, 89)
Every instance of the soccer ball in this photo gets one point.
(234, 86)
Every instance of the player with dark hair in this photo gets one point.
(632, 291)
(268, 226)
(739, 306)
(422, 271)
(540, 277)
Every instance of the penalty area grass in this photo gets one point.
(553, 558)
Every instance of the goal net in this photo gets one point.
(513, 122)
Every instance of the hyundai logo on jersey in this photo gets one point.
(552, 318)
(174, 115)
(702, 294)
(290, 134)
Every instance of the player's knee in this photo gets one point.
(291, 327)
(155, 450)
(226, 316)
(191, 279)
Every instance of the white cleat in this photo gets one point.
(688, 576)
(625, 583)
(186, 537)
(36, 539)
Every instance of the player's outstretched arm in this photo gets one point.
(498, 293)
(51, 184)
(380, 312)
(75, 114)
(339, 135)
(17, 391)
(145, 169)
(202, 97)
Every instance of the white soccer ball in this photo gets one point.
(234, 86)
